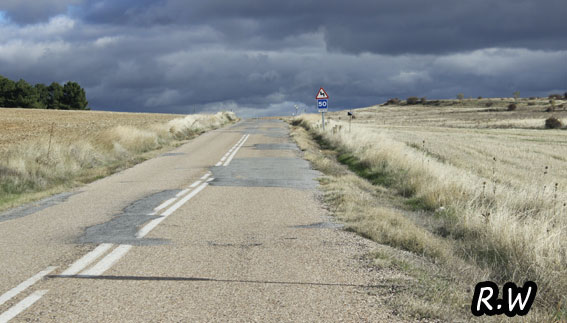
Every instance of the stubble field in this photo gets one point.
(43, 152)
(470, 180)
(19, 126)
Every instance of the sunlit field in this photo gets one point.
(494, 181)
(45, 151)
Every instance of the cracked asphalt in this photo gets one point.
(254, 244)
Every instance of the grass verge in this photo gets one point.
(384, 203)
(34, 170)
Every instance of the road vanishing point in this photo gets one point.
(227, 227)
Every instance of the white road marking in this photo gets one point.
(218, 164)
(166, 203)
(184, 200)
(149, 227)
(204, 177)
(87, 259)
(195, 184)
(235, 151)
(182, 193)
(21, 306)
(21, 287)
(108, 261)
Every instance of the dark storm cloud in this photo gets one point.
(262, 58)
(387, 27)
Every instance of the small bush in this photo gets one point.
(412, 100)
(533, 97)
(531, 103)
(394, 101)
(488, 104)
(549, 109)
(512, 107)
(553, 123)
(479, 98)
(423, 100)
(555, 97)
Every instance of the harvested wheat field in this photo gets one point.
(48, 151)
(18, 126)
(472, 181)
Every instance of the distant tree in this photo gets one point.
(22, 94)
(42, 96)
(55, 95)
(25, 95)
(7, 88)
(460, 96)
(412, 100)
(74, 97)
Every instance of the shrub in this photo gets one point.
(555, 97)
(394, 101)
(512, 107)
(412, 100)
(565, 95)
(479, 98)
(488, 104)
(531, 103)
(553, 123)
(423, 100)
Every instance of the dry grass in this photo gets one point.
(85, 146)
(505, 215)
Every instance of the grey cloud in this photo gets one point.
(33, 11)
(260, 59)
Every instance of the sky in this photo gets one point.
(263, 57)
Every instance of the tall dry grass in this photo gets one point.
(515, 232)
(37, 166)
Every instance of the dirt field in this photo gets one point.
(18, 126)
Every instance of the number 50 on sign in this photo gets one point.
(322, 105)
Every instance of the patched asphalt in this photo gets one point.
(35, 207)
(122, 228)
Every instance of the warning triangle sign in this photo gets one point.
(322, 94)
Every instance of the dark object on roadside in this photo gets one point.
(553, 123)
(512, 107)
(556, 96)
(533, 97)
(412, 100)
(549, 109)
(479, 98)
(351, 115)
(531, 103)
(488, 104)
(565, 95)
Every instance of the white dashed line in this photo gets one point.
(235, 151)
(149, 227)
(87, 259)
(166, 203)
(21, 306)
(195, 184)
(21, 287)
(185, 199)
(108, 261)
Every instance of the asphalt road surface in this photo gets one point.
(227, 227)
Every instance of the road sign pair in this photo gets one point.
(322, 100)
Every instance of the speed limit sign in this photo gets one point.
(322, 105)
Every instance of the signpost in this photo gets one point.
(322, 104)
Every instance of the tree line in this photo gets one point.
(20, 94)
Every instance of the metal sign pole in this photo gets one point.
(323, 119)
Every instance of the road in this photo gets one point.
(228, 227)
